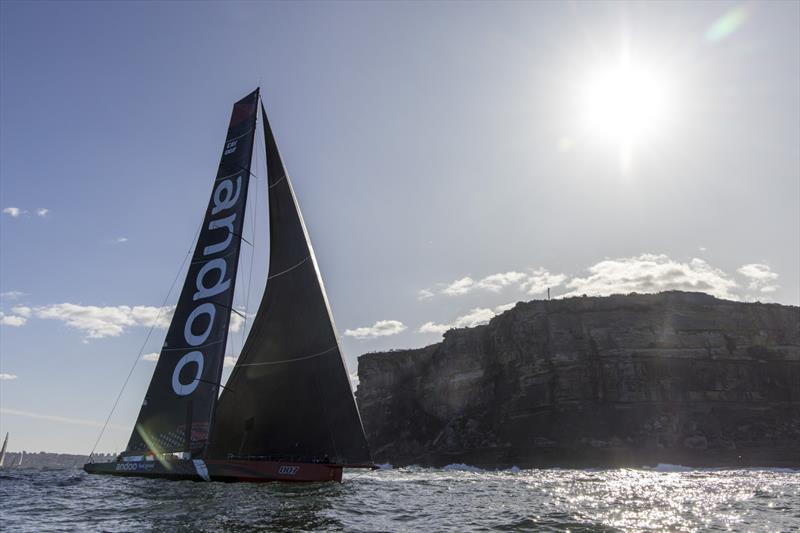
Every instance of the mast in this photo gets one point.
(177, 410)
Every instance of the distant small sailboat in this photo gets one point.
(21, 455)
(287, 411)
(3, 451)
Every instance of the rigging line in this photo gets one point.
(282, 272)
(239, 136)
(237, 172)
(251, 173)
(146, 340)
(277, 182)
(212, 383)
(291, 360)
(231, 308)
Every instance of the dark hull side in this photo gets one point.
(216, 470)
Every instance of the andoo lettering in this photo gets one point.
(131, 467)
(210, 281)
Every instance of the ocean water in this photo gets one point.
(456, 498)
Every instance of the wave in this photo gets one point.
(461, 467)
(668, 467)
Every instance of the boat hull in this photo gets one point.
(219, 470)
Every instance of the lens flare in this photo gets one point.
(727, 24)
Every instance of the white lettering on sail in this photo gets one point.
(202, 309)
(226, 222)
(230, 147)
(230, 198)
(180, 388)
(221, 285)
(225, 196)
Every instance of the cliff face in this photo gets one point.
(622, 380)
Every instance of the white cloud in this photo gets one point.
(12, 320)
(11, 295)
(761, 277)
(424, 294)
(476, 317)
(536, 281)
(757, 271)
(237, 321)
(432, 327)
(108, 321)
(14, 211)
(381, 328)
(459, 286)
(505, 307)
(648, 273)
(22, 310)
(120, 240)
(495, 282)
(7, 377)
(105, 321)
(152, 356)
(42, 212)
(540, 280)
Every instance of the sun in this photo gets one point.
(625, 105)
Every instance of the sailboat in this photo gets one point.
(287, 411)
(3, 451)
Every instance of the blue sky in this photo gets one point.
(439, 151)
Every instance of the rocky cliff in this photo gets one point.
(674, 377)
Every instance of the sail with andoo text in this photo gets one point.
(178, 408)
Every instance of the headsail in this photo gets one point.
(289, 396)
(179, 404)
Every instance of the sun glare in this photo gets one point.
(624, 104)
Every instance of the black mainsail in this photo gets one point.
(289, 396)
(178, 408)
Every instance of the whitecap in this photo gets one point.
(461, 467)
(667, 467)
